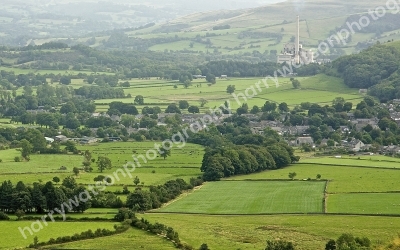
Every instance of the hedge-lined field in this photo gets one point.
(12, 238)
(252, 197)
(131, 239)
(341, 179)
(371, 203)
(183, 163)
(251, 231)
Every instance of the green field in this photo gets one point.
(12, 238)
(364, 161)
(38, 163)
(250, 232)
(18, 71)
(183, 163)
(320, 89)
(341, 179)
(131, 239)
(371, 203)
(252, 197)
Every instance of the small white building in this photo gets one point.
(49, 140)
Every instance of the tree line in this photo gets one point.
(225, 162)
(143, 200)
(40, 198)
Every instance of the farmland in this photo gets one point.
(321, 88)
(181, 164)
(351, 190)
(251, 197)
(297, 155)
(341, 179)
(132, 238)
(14, 238)
(251, 232)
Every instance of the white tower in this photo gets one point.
(297, 46)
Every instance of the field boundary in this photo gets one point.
(182, 195)
(325, 205)
(361, 192)
(262, 214)
(280, 180)
(344, 165)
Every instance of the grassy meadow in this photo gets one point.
(251, 231)
(133, 238)
(12, 238)
(368, 203)
(341, 179)
(320, 89)
(251, 197)
(183, 163)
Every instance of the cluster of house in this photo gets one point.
(395, 115)
(302, 137)
(258, 127)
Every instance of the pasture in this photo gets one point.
(364, 203)
(320, 89)
(251, 197)
(12, 238)
(360, 161)
(183, 163)
(341, 179)
(251, 231)
(133, 238)
(18, 71)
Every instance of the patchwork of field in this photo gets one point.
(267, 204)
(320, 89)
(359, 161)
(183, 163)
(252, 197)
(341, 179)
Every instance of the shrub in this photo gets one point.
(17, 159)
(19, 213)
(279, 245)
(4, 216)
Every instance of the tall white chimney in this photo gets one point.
(297, 54)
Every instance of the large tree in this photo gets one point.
(193, 109)
(139, 200)
(230, 89)
(211, 78)
(139, 100)
(103, 163)
(183, 104)
(26, 148)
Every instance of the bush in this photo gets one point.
(4, 216)
(279, 245)
(17, 159)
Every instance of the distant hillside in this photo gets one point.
(263, 29)
(244, 34)
(377, 68)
